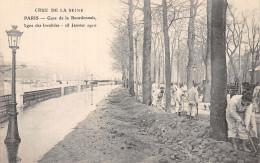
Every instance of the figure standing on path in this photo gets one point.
(193, 98)
(178, 100)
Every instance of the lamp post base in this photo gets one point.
(12, 149)
(12, 140)
(12, 133)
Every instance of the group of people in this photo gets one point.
(240, 111)
(177, 94)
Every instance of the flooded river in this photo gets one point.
(45, 124)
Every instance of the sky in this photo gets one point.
(74, 48)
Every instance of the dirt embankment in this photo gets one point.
(123, 130)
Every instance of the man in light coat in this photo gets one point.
(193, 98)
(236, 115)
(178, 100)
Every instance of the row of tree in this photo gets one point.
(184, 39)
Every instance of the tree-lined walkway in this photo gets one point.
(124, 130)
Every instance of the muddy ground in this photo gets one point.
(124, 130)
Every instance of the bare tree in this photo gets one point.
(120, 53)
(136, 66)
(177, 13)
(158, 64)
(155, 40)
(167, 57)
(218, 124)
(176, 33)
(146, 81)
(156, 43)
(131, 49)
(207, 94)
(246, 65)
(253, 36)
(190, 41)
(200, 51)
(234, 37)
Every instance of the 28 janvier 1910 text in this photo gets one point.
(73, 25)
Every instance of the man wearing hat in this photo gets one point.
(235, 116)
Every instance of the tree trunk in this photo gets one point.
(239, 70)
(162, 63)
(154, 69)
(190, 42)
(178, 63)
(159, 71)
(127, 79)
(167, 58)
(218, 124)
(245, 66)
(253, 67)
(207, 88)
(147, 53)
(136, 67)
(234, 68)
(159, 66)
(131, 49)
(172, 56)
(124, 76)
(155, 60)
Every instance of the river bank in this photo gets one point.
(123, 130)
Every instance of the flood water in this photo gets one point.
(45, 124)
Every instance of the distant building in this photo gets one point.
(256, 74)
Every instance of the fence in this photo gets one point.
(70, 89)
(34, 97)
(4, 105)
(106, 83)
(82, 87)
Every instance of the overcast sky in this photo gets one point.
(70, 47)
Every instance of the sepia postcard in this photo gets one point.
(74, 74)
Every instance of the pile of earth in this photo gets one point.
(124, 130)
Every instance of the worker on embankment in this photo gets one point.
(193, 98)
(237, 113)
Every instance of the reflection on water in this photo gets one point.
(45, 124)
(12, 151)
(91, 96)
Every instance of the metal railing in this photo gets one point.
(4, 106)
(82, 87)
(33, 97)
(70, 89)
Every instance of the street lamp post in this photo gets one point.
(12, 133)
